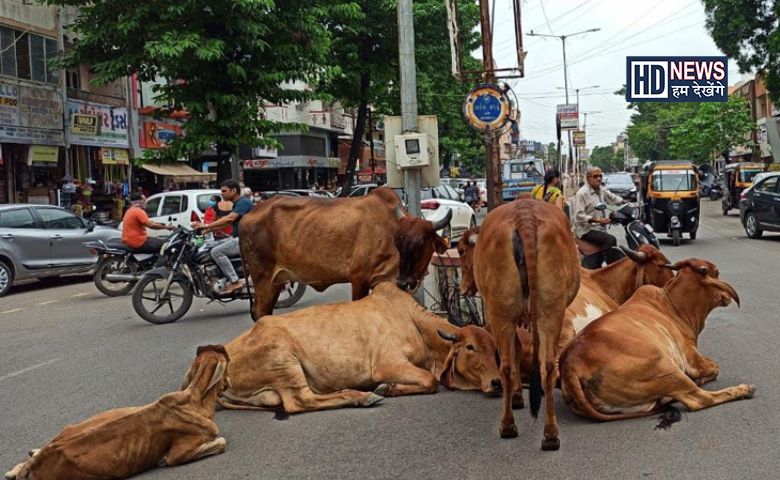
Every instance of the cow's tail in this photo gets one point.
(525, 251)
(577, 399)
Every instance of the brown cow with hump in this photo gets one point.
(526, 267)
(123, 442)
(333, 356)
(324, 241)
(644, 355)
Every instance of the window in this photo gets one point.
(769, 185)
(19, 218)
(73, 79)
(23, 55)
(746, 176)
(171, 205)
(151, 207)
(54, 218)
(674, 180)
(8, 49)
(37, 58)
(52, 52)
(358, 192)
(203, 202)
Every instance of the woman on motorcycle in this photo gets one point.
(550, 191)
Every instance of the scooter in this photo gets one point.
(637, 233)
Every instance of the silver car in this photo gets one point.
(38, 241)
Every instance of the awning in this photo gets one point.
(180, 172)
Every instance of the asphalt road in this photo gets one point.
(67, 352)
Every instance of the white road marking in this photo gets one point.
(25, 370)
(82, 294)
(48, 302)
(13, 310)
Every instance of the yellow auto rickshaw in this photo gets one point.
(736, 178)
(670, 198)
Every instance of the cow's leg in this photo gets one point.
(695, 398)
(549, 334)
(517, 394)
(505, 335)
(703, 369)
(266, 295)
(305, 400)
(14, 472)
(404, 379)
(193, 448)
(360, 289)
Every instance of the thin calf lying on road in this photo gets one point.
(332, 356)
(119, 443)
(636, 360)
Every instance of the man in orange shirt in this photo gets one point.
(135, 223)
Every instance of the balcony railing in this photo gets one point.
(109, 100)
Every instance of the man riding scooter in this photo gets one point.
(135, 223)
(589, 222)
(231, 191)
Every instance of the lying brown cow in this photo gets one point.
(119, 443)
(603, 291)
(324, 241)
(323, 356)
(526, 267)
(634, 361)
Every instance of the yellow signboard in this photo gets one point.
(83, 124)
(43, 155)
(114, 156)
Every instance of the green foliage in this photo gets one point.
(690, 131)
(749, 32)
(229, 58)
(606, 159)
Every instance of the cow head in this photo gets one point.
(653, 265)
(416, 240)
(209, 371)
(468, 285)
(700, 283)
(472, 361)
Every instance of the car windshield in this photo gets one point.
(619, 181)
(533, 168)
(674, 180)
(746, 176)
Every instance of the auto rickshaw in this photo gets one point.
(670, 198)
(736, 178)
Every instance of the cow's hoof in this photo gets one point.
(383, 389)
(34, 452)
(508, 431)
(751, 391)
(551, 444)
(517, 401)
(372, 400)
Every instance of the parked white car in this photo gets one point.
(435, 202)
(180, 207)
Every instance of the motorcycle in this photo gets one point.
(164, 294)
(119, 267)
(637, 233)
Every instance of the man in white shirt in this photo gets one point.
(591, 224)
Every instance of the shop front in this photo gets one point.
(100, 157)
(31, 160)
(290, 172)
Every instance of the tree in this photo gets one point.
(749, 33)
(607, 159)
(226, 60)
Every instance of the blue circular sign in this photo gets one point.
(487, 107)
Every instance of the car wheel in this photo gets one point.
(6, 278)
(676, 238)
(693, 235)
(752, 228)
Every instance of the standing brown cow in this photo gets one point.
(324, 241)
(517, 242)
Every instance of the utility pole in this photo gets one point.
(563, 38)
(492, 145)
(408, 74)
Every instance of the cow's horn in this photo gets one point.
(443, 222)
(399, 211)
(450, 337)
(636, 257)
(473, 239)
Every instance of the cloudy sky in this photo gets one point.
(628, 27)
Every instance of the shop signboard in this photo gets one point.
(42, 156)
(30, 114)
(158, 135)
(293, 161)
(112, 125)
(114, 156)
(82, 124)
(578, 138)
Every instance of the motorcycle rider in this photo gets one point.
(135, 223)
(590, 223)
(231, 191)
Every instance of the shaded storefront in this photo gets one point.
(282, 173)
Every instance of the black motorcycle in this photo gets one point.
(165, 293)
(119, 267)
(637, 233)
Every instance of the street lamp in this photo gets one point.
(563, 38)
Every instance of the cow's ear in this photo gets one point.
(440, 245)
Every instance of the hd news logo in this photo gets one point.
(677, 79)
